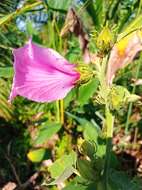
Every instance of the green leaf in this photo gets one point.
(6, 110)
(6, 72)
(101, 9)
(90, 132)
(120, 180)
(86, 91)
(82, 121)
(30, 28)
(6, 18)
(88, 148)
(14, 14)
(85, 169)
(71, 96)
(75, 186)
(65, 175)
(85, 123)
(100, 186)
(59, 5)
(80, 186)
(97, 10)
(136, 24)
(36, 155)
(89, 5)
(47, 131)
(59, 167)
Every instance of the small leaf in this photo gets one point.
(85, 169)
(65, 175)
(86, 91)
(79, 183)
(75, 186)
(80, 186)
(133, 98)
(90, 132)
(119, 96)
(60, 166)
(30, 28)
(6, 72)
(88, 148)
(60, 5)
(36, 155)
(136, 24)
(47, 131)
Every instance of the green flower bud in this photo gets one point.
(105, 39)
(86, 73)
(120, 96)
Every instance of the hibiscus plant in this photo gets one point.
(70, 68)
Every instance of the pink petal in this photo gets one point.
(41, 74)
(119, 60)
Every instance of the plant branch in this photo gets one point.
(13, 170)
(109, 125)
(28, 182)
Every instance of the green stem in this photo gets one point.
(131, 104)
(58, 111)
(109, 135)
(6, 47)
(62, 111)
(109, 123)
(128, 116)
(107, 163)
(12, 15)
(139, 8)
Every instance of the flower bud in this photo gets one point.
(105, 39)
(86, 73)
(119, 97)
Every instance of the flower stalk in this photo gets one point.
(109, 135)
(57, 111)
(62, 111)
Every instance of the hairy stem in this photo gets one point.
(109, 135)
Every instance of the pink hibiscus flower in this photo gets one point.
(41, 74)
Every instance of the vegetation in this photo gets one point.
(91, 139)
